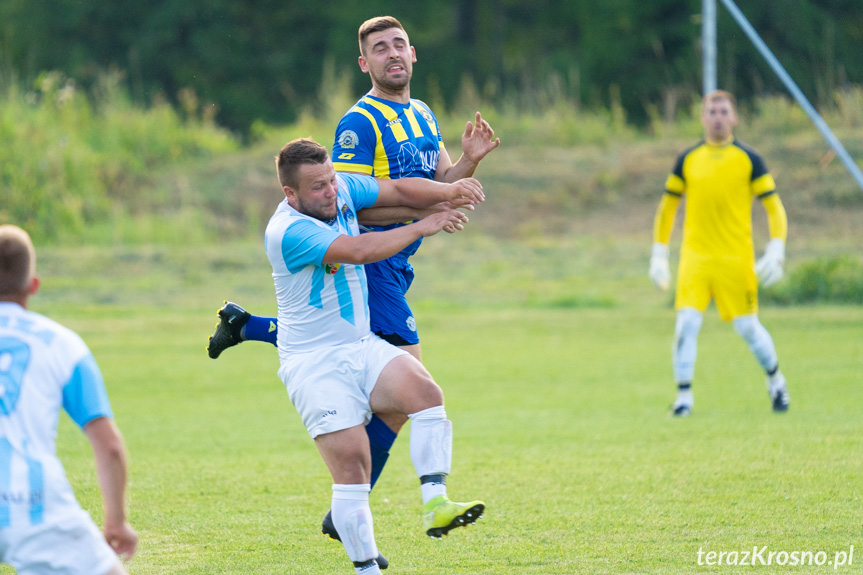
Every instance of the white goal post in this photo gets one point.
(708, 38)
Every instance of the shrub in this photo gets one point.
(824, 280)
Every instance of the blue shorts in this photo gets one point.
(389, 313)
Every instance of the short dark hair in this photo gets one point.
(17, 260)
(295, 154)
(377, 24)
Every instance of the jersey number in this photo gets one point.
(14, 358)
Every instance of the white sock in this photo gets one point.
(352, 517)
(371, 569)
(431, 447)
(432, 489)
(776, 382)
(684, 397)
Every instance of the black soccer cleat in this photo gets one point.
(328, 528)
(232, 318)
(781, 400)
(681, 410)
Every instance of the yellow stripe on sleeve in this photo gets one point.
(356, 168)
(381, 165)
(777, 220)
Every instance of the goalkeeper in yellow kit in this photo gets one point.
(720, 178)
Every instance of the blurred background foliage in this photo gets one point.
(263, 59)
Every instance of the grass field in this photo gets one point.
(559, 403)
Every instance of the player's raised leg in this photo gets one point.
(405, 386)
(762, 347)
(236, 325)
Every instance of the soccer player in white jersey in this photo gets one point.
(336, 371)
(43, 367)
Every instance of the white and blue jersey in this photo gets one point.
(320, 305)
(43, 367)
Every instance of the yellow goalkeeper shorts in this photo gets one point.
(731, 282)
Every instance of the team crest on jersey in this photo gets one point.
(347, 213)
(427, 115)
(332, 269)
(348, 139)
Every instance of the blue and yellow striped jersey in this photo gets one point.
(387, 139)
(719, 183)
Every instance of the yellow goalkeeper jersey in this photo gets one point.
(720, 183)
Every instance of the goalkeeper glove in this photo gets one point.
(659, 270)
(769, 266)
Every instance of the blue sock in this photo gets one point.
(381, 439)
(261, 329)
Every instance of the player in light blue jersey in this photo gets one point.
(386, 134)
(43, 367)
(336, 371)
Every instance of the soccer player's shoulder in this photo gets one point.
(678, 164)
(758, 165)
(423, 108)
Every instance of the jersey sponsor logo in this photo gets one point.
(327, 413)
(332, 269)
(346, 156)
(348, 139)
(396, 121)
(22, 497)
(411, 323)
(411, 159)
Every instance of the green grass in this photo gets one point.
(559, 407)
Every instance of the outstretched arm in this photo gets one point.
(422, 193)
(400, 214)
(110, 456)
(377, 246)
(476, 142)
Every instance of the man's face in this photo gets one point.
(718, 119)
(388, 59)
(316, 191)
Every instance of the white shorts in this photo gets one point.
(70, 546)
(330, 387)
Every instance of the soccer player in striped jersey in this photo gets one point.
(45, 367)
(386, 134)
(720, 178)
